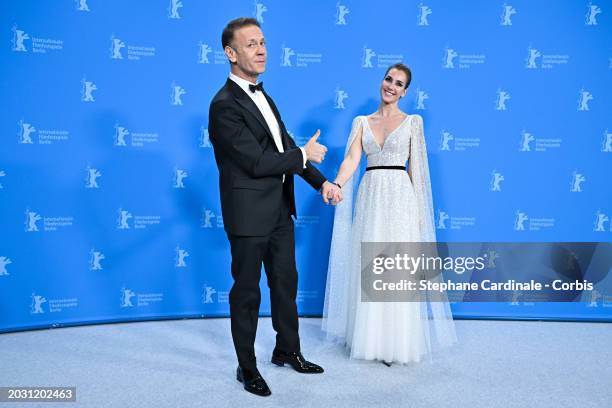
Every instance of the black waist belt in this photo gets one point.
(386, 167)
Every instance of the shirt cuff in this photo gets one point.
(304, 157)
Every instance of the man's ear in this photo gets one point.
(231, 54)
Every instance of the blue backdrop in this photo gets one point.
(110, 205)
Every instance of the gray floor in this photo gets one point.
(190, 363)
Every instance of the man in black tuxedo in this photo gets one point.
(257, 158)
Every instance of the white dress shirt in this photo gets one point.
(264, 107)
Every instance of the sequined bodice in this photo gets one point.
(394, 151)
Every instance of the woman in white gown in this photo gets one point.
(391, 205)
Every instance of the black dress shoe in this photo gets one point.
(295, 360)
(253, 382)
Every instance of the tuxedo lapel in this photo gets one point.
(247, 103)
(278, 119)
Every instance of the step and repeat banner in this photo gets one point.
(108, 187)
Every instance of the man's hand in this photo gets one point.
(331, 193)
(315, 152)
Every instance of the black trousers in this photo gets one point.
(277, 253)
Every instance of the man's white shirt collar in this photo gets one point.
(243, 83)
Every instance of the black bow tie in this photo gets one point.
(258, 87)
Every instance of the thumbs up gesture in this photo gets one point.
(315, 152)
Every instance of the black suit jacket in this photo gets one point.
(250, 166)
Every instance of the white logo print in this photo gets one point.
(449, 56)
(424, 12)
(606, 144)
(115, 48)
(204, 50)
(526, 139)
(175, 95)
(600, 220)
(122, 221)
(179, 260)
(19, 36)
(341, 95)
(341, 12)
(260, 8)
(31, 219)
(592, 12)
(502, 97)
(422, 96)
(576, 181)
(496, 179)
(4, 261)
(445, 140)
(81, 5)
(36, 307)
(584, 99)
(87, 90)
(207, 219)
(179, 176)
(2, 174)
(507, 13)
(532, 55)
(442, 217)
(204, 137)
(126, 297)
(120, 134)
(368, 54)
(25, 132)
(95, 259)
(286, 54)
(91, 178)
(175, 5)
(519, 222)
(207, 294)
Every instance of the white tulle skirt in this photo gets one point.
(401, 332)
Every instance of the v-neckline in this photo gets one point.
(388, 136)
